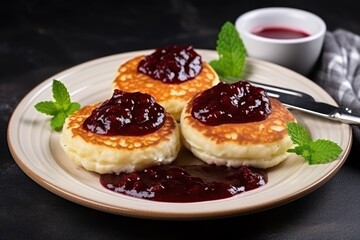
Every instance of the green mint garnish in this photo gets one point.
(315, 152)
(60, 108)
(232, 54)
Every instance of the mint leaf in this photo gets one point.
(323, 150)
(60, 94)
(314, 152)
(298, 134)
(61, 108)
(303, 150)
(58, 121)
(232, 54)
(72, 108)
(47, 107)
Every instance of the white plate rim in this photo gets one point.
(155, 210)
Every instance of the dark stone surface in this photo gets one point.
(41, 38)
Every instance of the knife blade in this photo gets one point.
(280, 91)
(320, 109)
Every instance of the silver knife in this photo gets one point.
(280, 91)
(304, 102)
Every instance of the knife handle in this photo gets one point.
(345, 116)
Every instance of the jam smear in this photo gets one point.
(187, 183)
(239, 102)
(172, 64)
(130, 114)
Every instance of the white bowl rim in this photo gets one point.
(240, 20)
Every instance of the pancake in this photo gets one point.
(172, 97)
(261, 144)
(118, 153)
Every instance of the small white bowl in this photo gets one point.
(299, 54)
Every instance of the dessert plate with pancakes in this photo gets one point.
(37, 151)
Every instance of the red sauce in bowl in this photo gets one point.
(279, 32)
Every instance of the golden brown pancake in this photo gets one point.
(260, 144)
(172, 97)
(113, 154)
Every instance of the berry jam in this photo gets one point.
(238, 102)
(173, 64)
(131, 114)
(187, 183)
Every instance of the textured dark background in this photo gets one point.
(41, 38)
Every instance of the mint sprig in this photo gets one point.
(232, 54)
(314, 151)
(59, 109)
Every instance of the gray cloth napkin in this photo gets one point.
(338, 70)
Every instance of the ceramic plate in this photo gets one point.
(36, 148)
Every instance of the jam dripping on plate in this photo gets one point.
(187, 183)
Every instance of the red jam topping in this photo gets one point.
(188, 183)
(238, 102)
(131, 114)
(173, 64)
